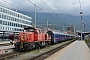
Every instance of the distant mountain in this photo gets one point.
(58, 19)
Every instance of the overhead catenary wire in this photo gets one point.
(42, 10)
(53, 11)
(25, 11)
(19, 8)
(11, 4)
(49, 8)
(14, 6)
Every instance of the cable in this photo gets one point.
(33, 4)
(53, 11)
(49, 8)
(19, 8)
(10, 4)
(14, 6)
(42, 9)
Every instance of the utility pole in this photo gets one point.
(74, 30)
(84, 27)
(81, 18)
(35, 15)
(84, 30)
(47, 24)
(81, 23)
(63, 28)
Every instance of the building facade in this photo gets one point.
(71, 29)
(12, 20)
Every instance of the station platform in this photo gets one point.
(77, 50)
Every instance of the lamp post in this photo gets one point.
(84, 27)
(35, 15)
(81, 22)
(47, 24)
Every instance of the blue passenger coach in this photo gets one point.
(58, 36)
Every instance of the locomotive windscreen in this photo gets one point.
(29, 29)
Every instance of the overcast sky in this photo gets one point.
(71, 7)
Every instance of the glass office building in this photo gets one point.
(12, 20)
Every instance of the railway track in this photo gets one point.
(48, 53)
(11, 55)
(39, 57)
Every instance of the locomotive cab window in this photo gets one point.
(29, 30)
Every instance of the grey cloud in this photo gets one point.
(71, 7)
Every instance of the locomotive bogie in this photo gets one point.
(22, 46)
